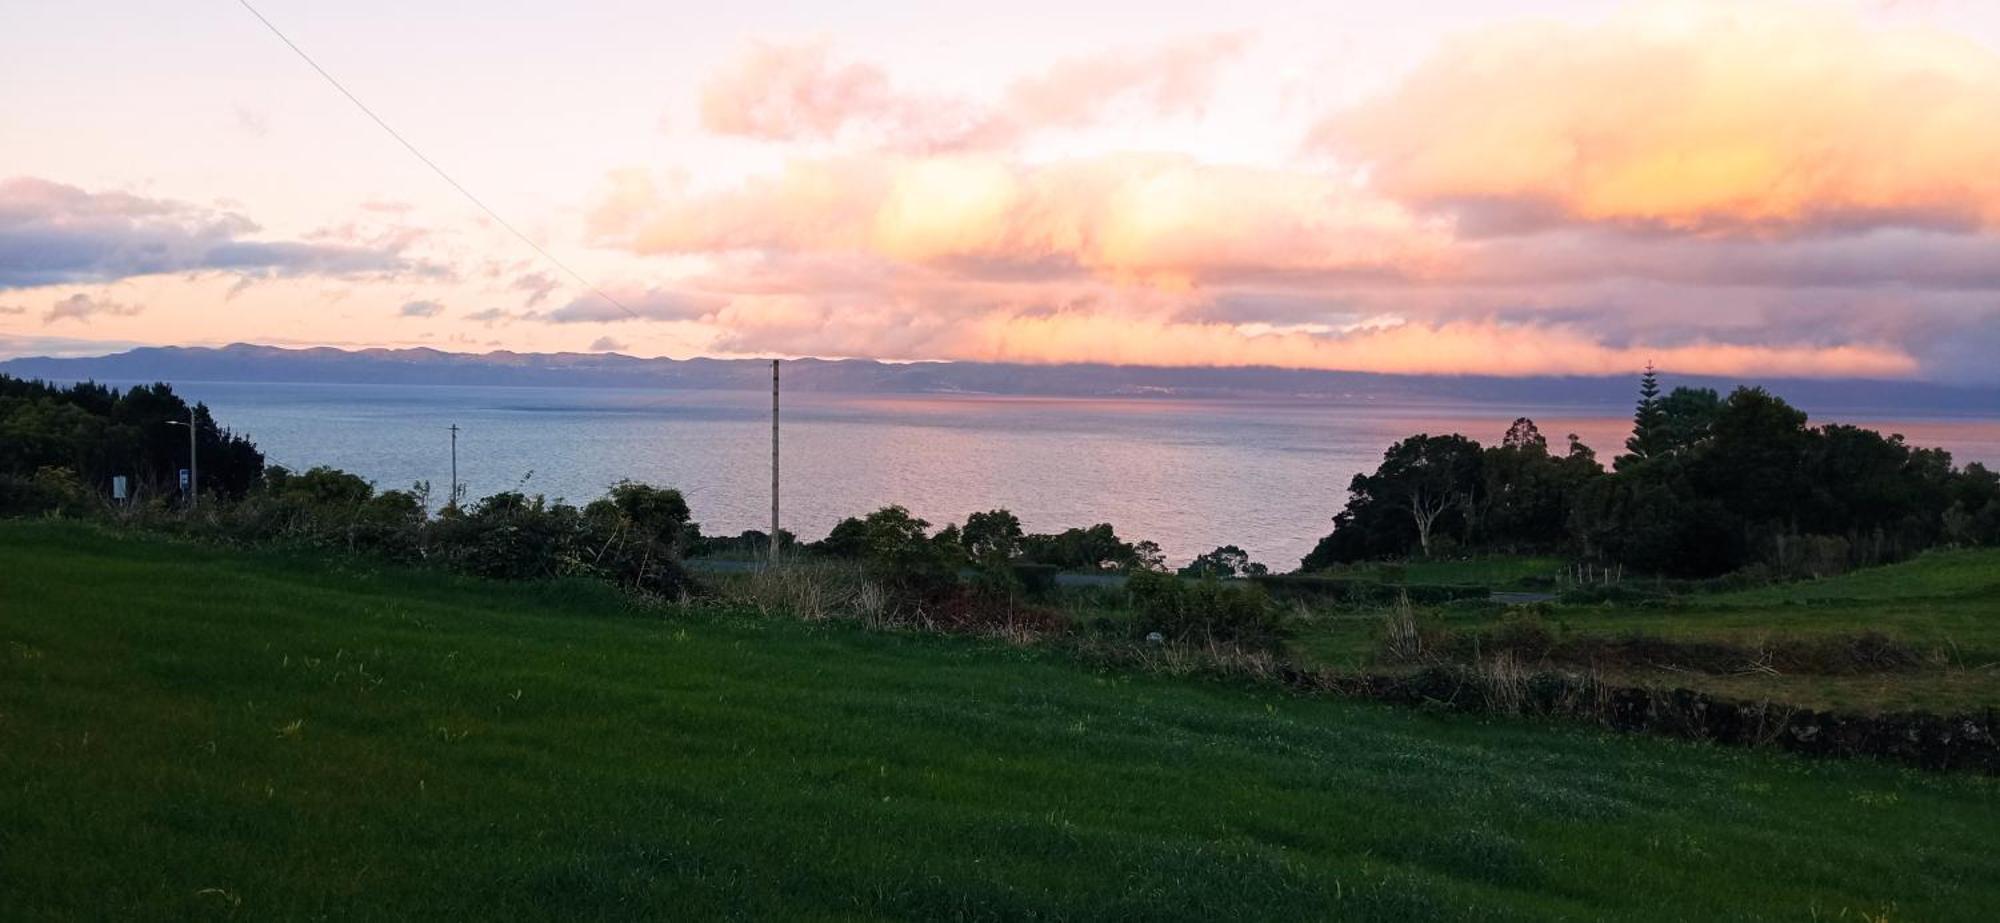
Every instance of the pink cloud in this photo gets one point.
(787, 92)
(798, 92)
(1535, 199)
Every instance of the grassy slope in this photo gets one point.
(193, 733)
(1946, 600)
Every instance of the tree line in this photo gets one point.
(1707, 485)
(89, 432)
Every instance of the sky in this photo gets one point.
(1784, 188)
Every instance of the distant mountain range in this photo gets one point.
(251, 363)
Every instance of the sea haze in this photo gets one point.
(1191, 474)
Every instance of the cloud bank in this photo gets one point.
(1769, 118)
(1763, 188)
(52, 233)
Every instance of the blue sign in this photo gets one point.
(184, 479)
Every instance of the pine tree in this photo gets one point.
(1648, 418)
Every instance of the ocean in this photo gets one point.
(1191, 475)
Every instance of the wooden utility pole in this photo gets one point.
(774, 461)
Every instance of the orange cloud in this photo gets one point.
(938, 237)
(798, 92)
(1149, 333)
(1156, 219)
(1466, 348)
(1694, 116)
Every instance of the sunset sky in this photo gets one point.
(1757, 188)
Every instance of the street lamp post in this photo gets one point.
(194, 469)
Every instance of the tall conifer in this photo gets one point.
(1647, 418)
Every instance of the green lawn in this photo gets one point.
(189, 733)
(1944, 603)
(1499, 571)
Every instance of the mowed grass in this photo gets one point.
(1949, 597)
(1500, 571)
(190, 733)
(1945, 604)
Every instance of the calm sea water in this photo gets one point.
(1191, 475)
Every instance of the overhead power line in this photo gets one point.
(455, 184)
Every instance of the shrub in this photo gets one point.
(1203, 611)
(899, 554)
(509, 536)
(51, 491)
(808, 589)
(391, 525)
(633, 536)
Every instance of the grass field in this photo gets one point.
(1944, 603)
(1500, 572)
(190, 733)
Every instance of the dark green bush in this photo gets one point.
(1203, 611)
(509, 536)
(633, 536)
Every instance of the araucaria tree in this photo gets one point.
(1648, 418)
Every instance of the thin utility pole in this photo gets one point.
(194, 464)
(453, 500)
(774, 461)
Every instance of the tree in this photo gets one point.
(1525, 436)
(1645, 441)
(1096, 548)
(1754, 459)
(1427, 477)
(1526, 493)
(1147, 556)
(849, 539)
(993, 536)
(1424, 484)
(1226, 561)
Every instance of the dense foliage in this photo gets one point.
(96, 432)
(1223, 562)
(1707, 485)
(988, 539)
